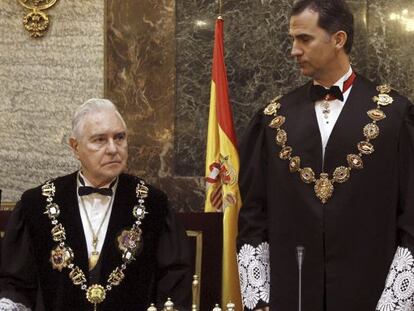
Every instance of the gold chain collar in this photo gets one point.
(62, 255)
(324, 185)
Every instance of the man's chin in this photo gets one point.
(114, 170)
(306, 72)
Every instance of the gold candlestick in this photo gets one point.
(195, 289)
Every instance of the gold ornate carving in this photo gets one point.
(36, 22)
(355, 161)
(281, 137)
(285, 153)
(96, 294)
(277, 122)
(365, 147)
(77, 276)
(294, 164)
(376, 114)
(341, 174)
(323, 187)
(371, 131)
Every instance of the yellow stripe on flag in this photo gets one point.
(222, 168)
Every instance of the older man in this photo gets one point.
(330, 167)
(97, 238)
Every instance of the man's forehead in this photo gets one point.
(304, 22)
(105, 122)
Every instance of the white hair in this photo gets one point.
(93, 105)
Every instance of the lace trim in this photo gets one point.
(8, 305)
(398, 294)
(254, 273)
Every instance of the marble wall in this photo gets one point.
(41, 83)
(259, 66)
(158, 61)
(141, 80)
(258, 63)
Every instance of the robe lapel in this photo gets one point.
(304, 135)
(120, 219)
(71, 220)
(348, 129)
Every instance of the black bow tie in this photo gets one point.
(86, 190)
(318, 92)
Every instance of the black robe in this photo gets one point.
(351, 240)
(161, 269)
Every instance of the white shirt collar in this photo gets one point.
(340, 82)
(88, 183)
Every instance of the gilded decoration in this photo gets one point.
(96, 294)
(63, 257)
(281, 137)
(355, 161)
(376, 114)
(371, 131)
(324, 185)
(36, 22)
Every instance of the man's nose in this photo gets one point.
(296, 51)
(111, 146)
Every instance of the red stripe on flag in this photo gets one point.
(219, 76)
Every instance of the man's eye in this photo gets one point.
(99, 140)
(120, 137)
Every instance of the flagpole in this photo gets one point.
(220, 2)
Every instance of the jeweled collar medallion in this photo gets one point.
(62, 256)
(324, 185)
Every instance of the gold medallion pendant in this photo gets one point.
(95, 294)
(324, 186)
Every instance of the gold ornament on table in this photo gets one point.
(195, 292)
(169, 305)
(36, 22)
(229, 307)
(217, 307)
(324, 185)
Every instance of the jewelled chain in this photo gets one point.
(324, 185)
(62, 256)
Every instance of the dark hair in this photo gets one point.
(334, 15)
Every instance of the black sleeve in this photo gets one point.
(18, 280)
(174, 272)
(252, 241)
(398, 293)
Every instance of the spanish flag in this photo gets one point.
(222, 168)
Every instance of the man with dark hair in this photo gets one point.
(328, 166)
(97, 239)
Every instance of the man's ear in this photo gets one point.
(74, 144)
(340, 39)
